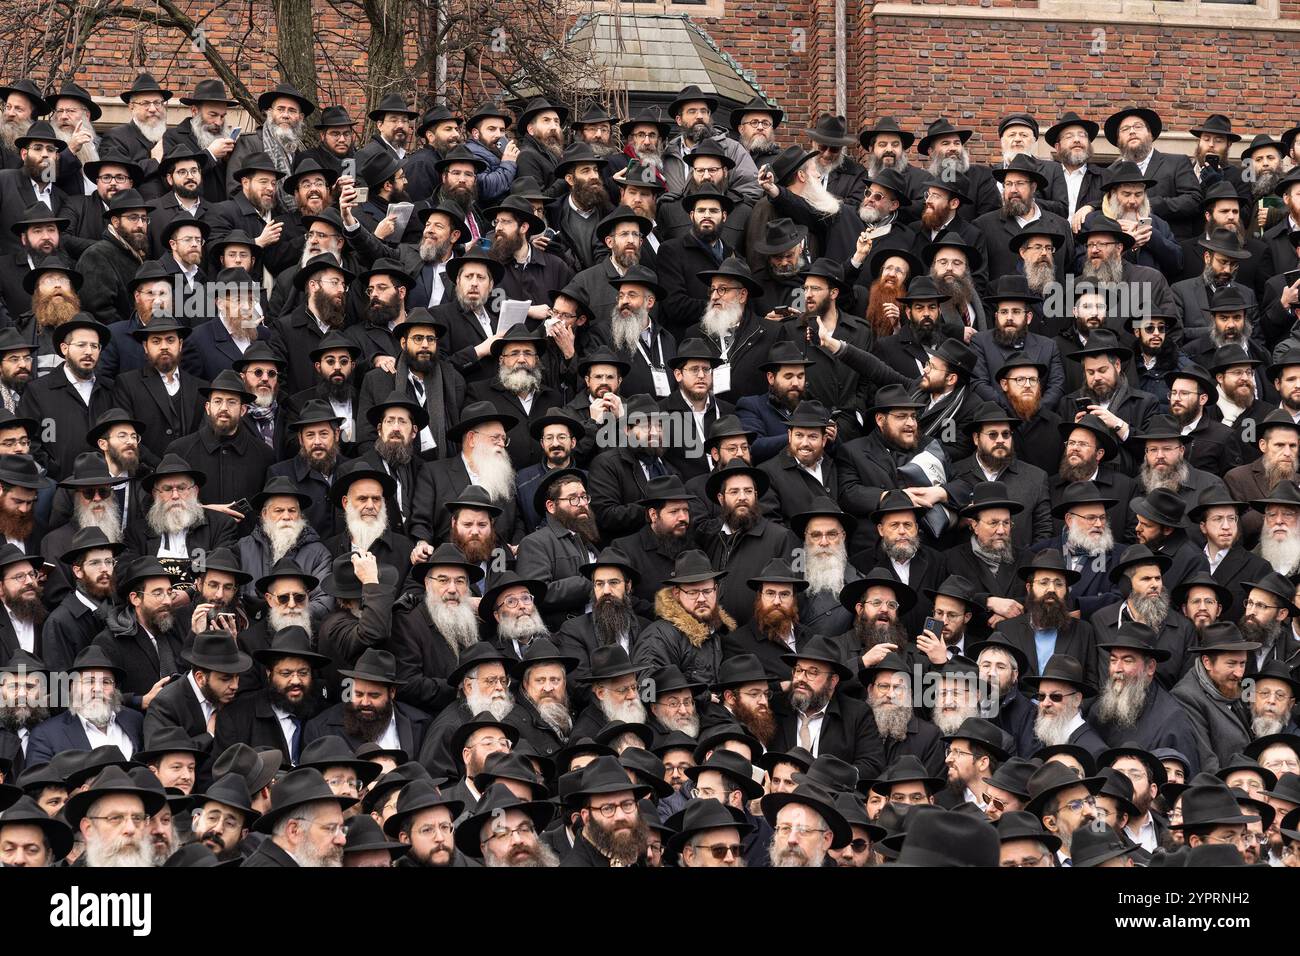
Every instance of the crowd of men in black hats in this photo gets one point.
(551, 488)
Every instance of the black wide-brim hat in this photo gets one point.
(1150, 117)
(817, 799)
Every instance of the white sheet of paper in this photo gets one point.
(722, 379)
(513, 311)
(402, 210)
(662, 388)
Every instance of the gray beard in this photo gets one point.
(110, 524)
(520, 381)
(1052, 731)
(1080, 540)
(1039, 274)
(785, 855)
(202, 136)
(960, 289)
(523, 629)
(366, 531)
(949, 720)
(688, 724)
(1220, 340)
(498, 708)
(543, 857)
(1172, 480)
(628, 711)
(871, 216)
(720, 320)
(875, 164)
(1123, 706)
(820, 198)
(960, 163)
(556, 715)
(1283, 555)
(892, 720)
(175, 517)
(903, 550)
(626, 330)
(825, 572)
(289, 137)
(1001, 552)
(1264, 184)
(457, 623)
(1151, 611)
(1266, 726)
(152, 131)
(1135, 154)
(1108, 271)
(283, 537)
(98, 712)
(11, 130)
(432, 252)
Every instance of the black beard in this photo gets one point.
(1009, 338)
(738, 524)
(383, 313)
(1263, 634)
(669, 545)
(13, 720)
(869, 635)
(328, 309)
(324, 466)
(338, 391)
(1047, 615)
(302, 709)
(421, 366)
(628, 846)
(359, 727)
(613, 617)
(30, 610)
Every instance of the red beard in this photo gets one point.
(884, 290)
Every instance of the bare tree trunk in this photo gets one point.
(295, 44)
(386, 62)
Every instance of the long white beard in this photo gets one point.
(949, 720)
(283, 535)
(1053, 730)
(825, 572)
(457, 623)
(289, 137)
(202, 136)
(1266, 726)
(892, 720)
(495, 473)
(1283, 555)
(628, 711)
(689, 724)
(720, 320)
(279, 618)
(1079, 539)
(498, 707)
(173, 517)
(88, 152)
(120, 851)
(152, 131)
(543, 858)
(110, 523)
(556, 715)
(523, 628)
(820, 198)
(627, 329)
(958, 164)
(1122, 704)
(366, 531)
(98, 712)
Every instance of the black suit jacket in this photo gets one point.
(411, 726)
(52, 400)
(524, 449)
(442, 481)
(793, 489)
(1077, 641)
(687, 455)
(140, 392)
(848, 731)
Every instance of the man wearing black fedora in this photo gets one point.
(95, 716)
(370, 710)
(615, 617)
(991, 555)
(1133, 705)
(951, 402)
(690, 620)
(612, 830)
(193, 702)
(802, 471)
(1161, 527)
(817, 717)
(900, 552)
(423, 819)
(693, 404)
(567, 540)
(1059, 691)
(1090, 454)
(21, 607)
(1212, 693)
(1140, 570)
(141, 635)
(1279, 446)
(1047, 629)
(1212, 815)
(903, 731)
(304, 824)
(275, 714)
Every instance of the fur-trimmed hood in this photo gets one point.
(669, 609)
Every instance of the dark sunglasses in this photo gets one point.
(859, 845)
(94, 494)
(719, 851)
(1055, 697)
(295, 597)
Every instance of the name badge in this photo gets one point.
(722, 379)
(662, 388)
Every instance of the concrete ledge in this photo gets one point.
(1190, 15)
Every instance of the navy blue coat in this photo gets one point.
(64, 732)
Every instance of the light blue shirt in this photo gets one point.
(1045, 643)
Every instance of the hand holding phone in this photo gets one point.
(934, 626)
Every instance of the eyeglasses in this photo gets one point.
(859, 845)
(812, 673)
(607, 810)
(694, 593)
(574, 500)
(757, 124)
(21, 576)
(113, 178)
(784, 830)
(1076, 805)
(117, 819)
(720, 851)
(442, 580)
(264, 372)
(877, 603)
(962, 753)
(523, 830)
(1024, 861)
(1253, 605)
(1023, 381)
(1091, 519)
(1055, 696)
(179, 488)
(429, 829)
(514, 602)
(289, 597)
(502, 440)
(100, 563)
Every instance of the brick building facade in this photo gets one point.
(972, 60)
